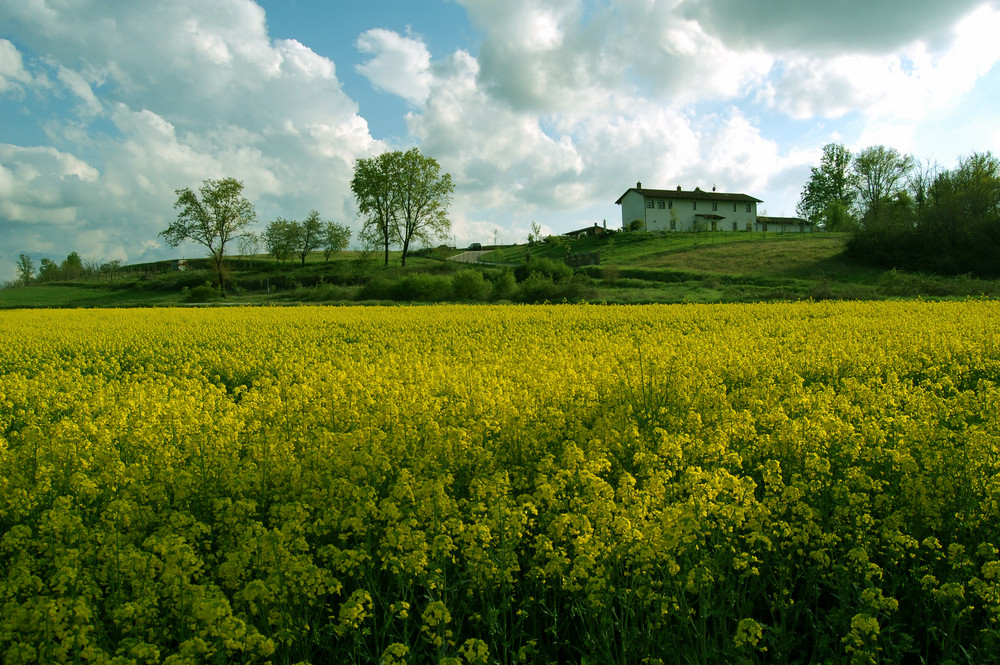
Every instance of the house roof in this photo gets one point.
(587, 229)
(697, 194)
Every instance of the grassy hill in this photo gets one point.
(633, 268)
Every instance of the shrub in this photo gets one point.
(378, 288)
(422, 287)
(469, 285)
(540, 288)
(556, 270)
(202, 293)
(504, 286)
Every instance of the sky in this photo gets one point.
(541, 110)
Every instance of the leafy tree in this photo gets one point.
(536, 233)
(374, 187)
(308, 235)
(334, 238)
(72, 266)
(403, 198)
(280, 238)
(213, 220)
(424, 195)
(48, 270)
(829, 195)
(25, 268)
(881, 173)
(947, 221)
(110, 267)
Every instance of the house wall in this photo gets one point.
(684, 215)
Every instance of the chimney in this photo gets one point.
(678, 188)
(638, 185)
(713, 187)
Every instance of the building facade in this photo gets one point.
(679, 210)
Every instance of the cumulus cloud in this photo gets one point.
(561, 106)
(880, 26)
(904, 84)
(167, 95)
(398, 64)
(43, 185)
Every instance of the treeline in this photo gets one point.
(284, 239)
(910, 215)
(71, 268)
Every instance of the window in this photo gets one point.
(649, 203)
(694, 205)
(670, 204)
(734, 207)
(715, 206)
(660, 204)
(749, 207)
(734, 226)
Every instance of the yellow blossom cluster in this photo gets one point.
(787, 482)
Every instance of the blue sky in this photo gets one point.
(542, 110)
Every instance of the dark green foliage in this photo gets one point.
(202, 293)
(557, 271)
(504, 286)
(469, 285)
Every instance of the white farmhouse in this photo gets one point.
(679, 210)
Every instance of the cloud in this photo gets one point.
(399, 65)
(167, 95)
(513, 165)
(824, 26)
(563, 105)
(41, 185)
(12, 71)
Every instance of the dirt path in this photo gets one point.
(469, 257)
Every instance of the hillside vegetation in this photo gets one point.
(630, 268)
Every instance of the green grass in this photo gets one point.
(635, 267)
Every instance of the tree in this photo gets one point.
(219, 216)
(25, 269)
(424, 197)
(831, 191)
(334, 238)
(248, 244)
(536, 233)
(881, 173)
(374, 187)
(72, 267)
(308, 235)
(212, 220)
(280, 238)
(403, 197)
(48, 270)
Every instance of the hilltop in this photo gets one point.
(634, 267)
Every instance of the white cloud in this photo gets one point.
(12, 71)
(904, 85)
(564, 105)
(399, 65)
(169, 94)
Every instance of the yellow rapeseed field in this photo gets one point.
(806, 482)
